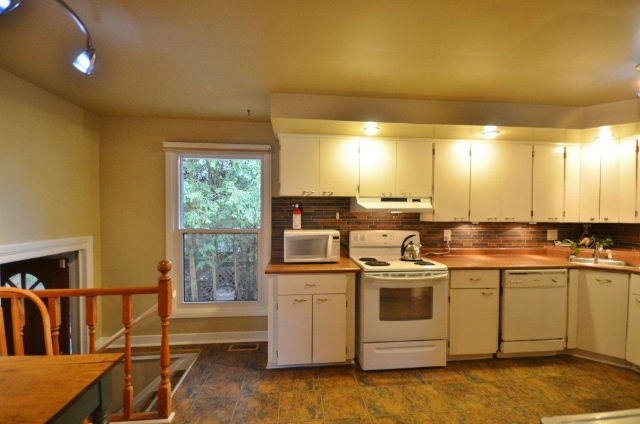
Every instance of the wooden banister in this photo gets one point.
(137, 320)
(103, 291)
(92, 321)
(165, 303)
(127, 391)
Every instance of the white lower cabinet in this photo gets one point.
(602, 318)
(474, 311)
(329, 328)
(294, 324)
(473, 321)
(633, 328)
(311, 318)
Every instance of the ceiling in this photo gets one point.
(216, 59)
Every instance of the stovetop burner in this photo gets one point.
(421, 262)
(410, 260)
(377, 263)
(368, 259)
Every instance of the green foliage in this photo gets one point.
(221, 194)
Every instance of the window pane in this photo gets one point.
(220, 267)
(221, 193)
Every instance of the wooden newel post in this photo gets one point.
(165, 303)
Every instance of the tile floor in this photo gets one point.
(235, 387)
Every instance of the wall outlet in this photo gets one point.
(447, 235)
(552, 235)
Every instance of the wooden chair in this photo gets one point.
(17, 297)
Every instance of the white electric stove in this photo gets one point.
(403, 306)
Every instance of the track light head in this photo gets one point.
(85, 61)
(7, 6)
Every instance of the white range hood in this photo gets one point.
(391, 204)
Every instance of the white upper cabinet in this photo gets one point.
(501, 182)
(338, 166)
(628, 181)
(414, 168)
(299, 165)
(548, 183)
(572, 184)
(609, 182)
(589, 202)
(377, 167)
(452, 167)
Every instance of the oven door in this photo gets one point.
(307, 247)
(404, 307)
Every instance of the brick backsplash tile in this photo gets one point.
(319, 213)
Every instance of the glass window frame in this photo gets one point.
(175, 233)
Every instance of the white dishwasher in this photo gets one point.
(533, 310)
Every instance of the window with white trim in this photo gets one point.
(218, 230)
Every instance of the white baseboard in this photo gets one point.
(192, 338)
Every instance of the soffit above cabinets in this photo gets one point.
(454, 132)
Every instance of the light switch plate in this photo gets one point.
(552, 235)
(447, 235)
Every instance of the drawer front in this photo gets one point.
(475, 279)
(311, 283)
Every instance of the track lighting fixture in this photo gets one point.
(86, 60)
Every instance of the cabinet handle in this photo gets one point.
(304, 192)
(487, 293)
(510, 218)
(458, 219)
(553, 219)
(406, 193)
(310, 284)
(322, 299)
(475, 279)
(592, 219)
(606, 218)
(311, 192)
(299, 300)
(327, 193)
(604, 281)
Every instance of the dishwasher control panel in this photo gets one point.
(535, 278)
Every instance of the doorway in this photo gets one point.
(51, 272)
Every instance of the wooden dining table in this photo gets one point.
(56, 389)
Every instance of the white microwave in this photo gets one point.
(311, 245)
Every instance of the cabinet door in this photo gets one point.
(414, 168)
(329, 328)
(485, 196)
(377, 167)
(627, 187)
(572, 184)
(473, 321)
(589, 202)
(609, 182)
(294, 326)
(548, 183)
(452, 165)
(515, 181)
(299, 165)
(602, 322)
(633, 328)
(339, 166)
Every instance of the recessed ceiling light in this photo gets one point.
(371, 128)
(490, 131)
(638, 67)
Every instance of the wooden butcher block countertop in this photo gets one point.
(279, 267)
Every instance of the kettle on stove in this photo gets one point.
(410, 251)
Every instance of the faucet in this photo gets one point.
(596, 252)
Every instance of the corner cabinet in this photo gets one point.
(311, 319)
(602, 312)
(318, 166)
(633, 327)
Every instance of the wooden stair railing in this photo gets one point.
(164, 292)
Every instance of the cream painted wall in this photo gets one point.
(49, 167)
(132, 195)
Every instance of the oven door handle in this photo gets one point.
(406, 282)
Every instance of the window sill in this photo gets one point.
(183, 310)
